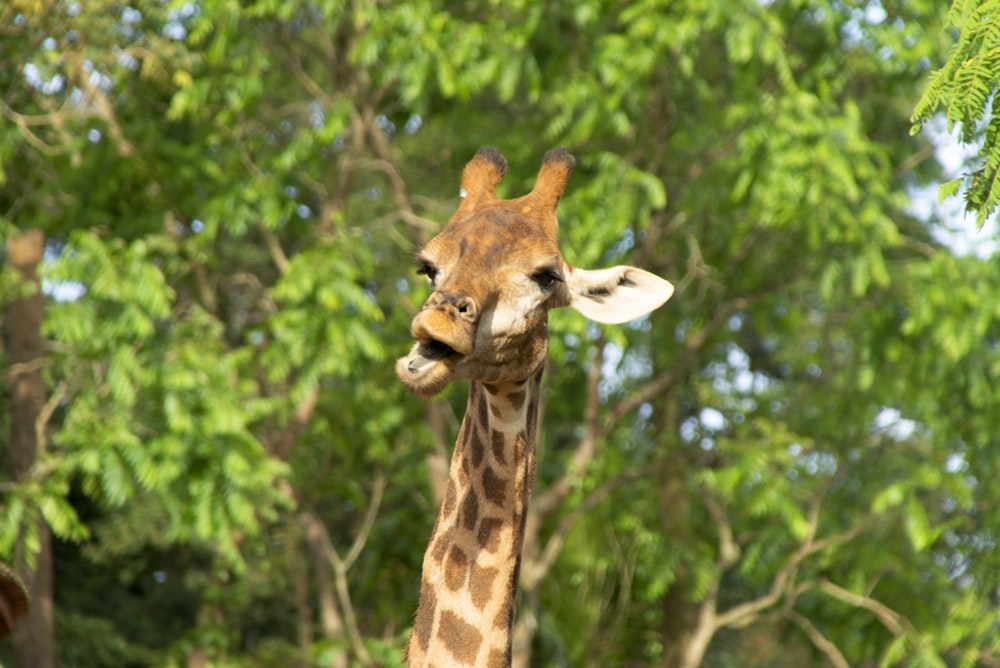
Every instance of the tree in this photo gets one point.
(180, 393)
(964, 90)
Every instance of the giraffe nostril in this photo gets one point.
(466, 308)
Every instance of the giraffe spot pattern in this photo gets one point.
(425, 616)
(489, 534)
(471, 521)
(497, 659)
(484, 412)
(482, 584)
(494, 487)
(497, 441)
(478, 450)
(441, 546)
(450, 499)
(455, 568)
(470, 511)
(462, 639)
(516, 399)
(503, 618)
(533, 423)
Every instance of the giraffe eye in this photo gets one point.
(428, 270)
(546, 278)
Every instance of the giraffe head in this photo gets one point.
(496, 270)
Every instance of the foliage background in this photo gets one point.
(788, 464)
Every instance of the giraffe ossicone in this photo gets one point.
(496, 272)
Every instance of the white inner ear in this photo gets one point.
(618, 294)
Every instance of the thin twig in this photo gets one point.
(818, 640)
(368, 522)
(274, 247)
(24, 368)
(729, 550)
(42, 420)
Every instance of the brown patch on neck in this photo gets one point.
(516, 399)
(462, 640)
(456, 568)
(484, 410)
(497, 446)
(425, 617)
(482, 591)
(498, 659)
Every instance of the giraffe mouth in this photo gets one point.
(428, 368)
(436, 350)
(428, 352)
(441, 347)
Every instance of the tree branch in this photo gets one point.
(556, 493)
(746, 613)
(274, 247)
(320, 536)
(729, 550)
(535, 569)
(24, 124)
(818, 640)
(45, 415)
(300, 419)
(399, 192)
(896, 623)
(366, 525)
(24, 368)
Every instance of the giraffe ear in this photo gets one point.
(618, 294)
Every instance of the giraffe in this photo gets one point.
(496, 271)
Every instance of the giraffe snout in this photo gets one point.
(456, 306)
(436, 327)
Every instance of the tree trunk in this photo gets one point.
(680, 624)
(680, 613)
(34, 638)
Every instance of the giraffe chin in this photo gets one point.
(425, 372)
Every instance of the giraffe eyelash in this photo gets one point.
(546, 278)
(428, 270)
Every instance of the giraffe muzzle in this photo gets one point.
(427, 354)
(441, 334)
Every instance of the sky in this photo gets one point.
(949, 222)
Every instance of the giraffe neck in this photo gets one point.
(471, 566)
